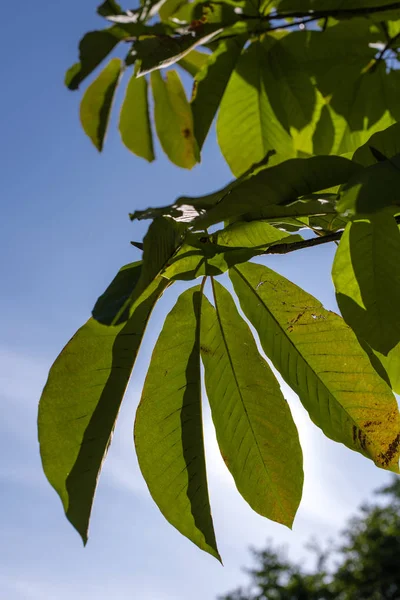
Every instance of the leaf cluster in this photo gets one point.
(313, 158)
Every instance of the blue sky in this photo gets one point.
(65, 233)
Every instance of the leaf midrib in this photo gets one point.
(244, 405)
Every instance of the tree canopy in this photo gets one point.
(363, 566)
(305, 96)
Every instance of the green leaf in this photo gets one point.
(168, 426)
(366, 274)
(174, 120)
(109, 8)
(210, 83)
(319, 356)
(391, 365)
(212, 255)
(159, 52)
(374, 8)
(120, 299)
(134, 124)
(371, 189)
(97, 102)
(80, 404)
(246, 126)
(94, 47)
(169, 8)
(387, 142)
(193, 62)
(278, 185)
(265, 195)
(270, 103)
(114, 306)
(255, 430)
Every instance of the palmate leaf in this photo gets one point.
(80, 404)
(319, 356)
(255, 430)
(134, 123)
(366, 275)
(168, 426)
(97, 102)
(174, 120)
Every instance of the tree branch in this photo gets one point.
(325, 239)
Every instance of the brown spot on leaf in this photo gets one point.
(186, 133)
(205, 349)
(392, 451)
(354, 433)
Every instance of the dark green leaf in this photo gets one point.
(174, 120)
(366, 274)
(109, 8)
(80, 403)
(97, 102)
(265, 195)
(113, 307)
(94, 47)
(213, 255)
(319, 356)
(386, 142)
(168, 426)
(159, 52)
(372, 189)
(134, 124)
(210, 83)
(255, 430)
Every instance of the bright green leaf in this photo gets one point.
(210, 83)
(193, 62)
(97, 102)
(168, 426)
(255, 430)
(134, 124)
(174, 120)
(319, 356)
(366, 274)
(80, 404)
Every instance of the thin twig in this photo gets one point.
(286, 248)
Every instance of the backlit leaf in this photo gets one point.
(134, 123)
(255, 430)
(168, 426)
(80, 404)
(174, 120)
(319, 356)
(97, 102)
(210, 83)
